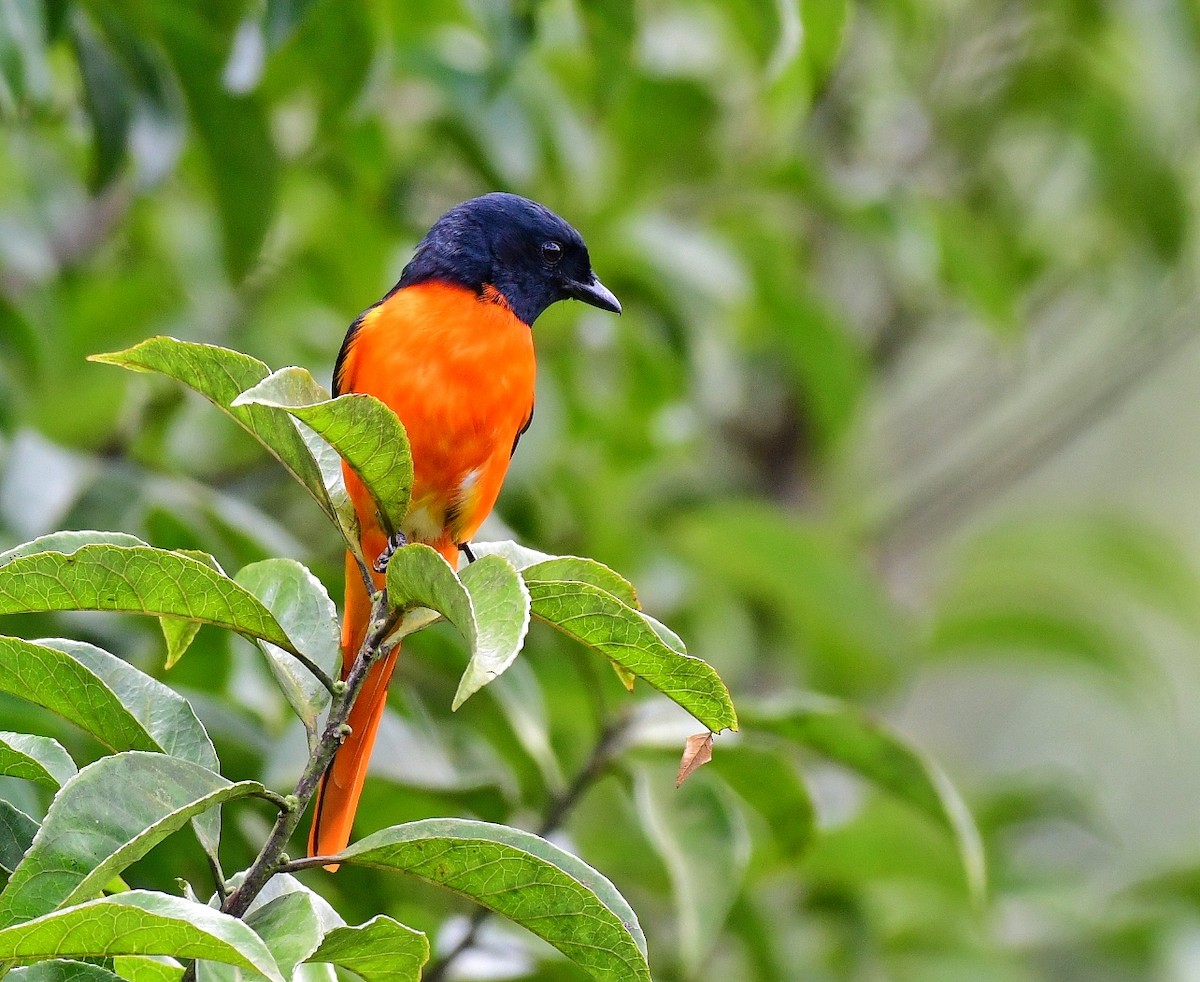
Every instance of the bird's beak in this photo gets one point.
(595, 293)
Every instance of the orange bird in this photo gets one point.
(450, 351)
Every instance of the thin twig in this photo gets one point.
(268, 863)
(559, 807)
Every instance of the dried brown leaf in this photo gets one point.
(696, 754)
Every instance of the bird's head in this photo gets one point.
(522, 250)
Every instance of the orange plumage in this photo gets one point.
(450, 351)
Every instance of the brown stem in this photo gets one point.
(267, 864)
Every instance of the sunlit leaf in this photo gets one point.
(359, 427)
(622, 634)
(525, 878)
(91, 834)
(381, 950)
(135, 580)
(301, 605)
(135, 968)
(35, 758)
(63, 970)
(221, 375)
(501, 605)
(138, 923)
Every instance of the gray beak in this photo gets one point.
(595, 293)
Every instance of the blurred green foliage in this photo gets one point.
(879, 261)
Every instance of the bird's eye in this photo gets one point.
(551, 252)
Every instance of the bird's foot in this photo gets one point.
(395, 541)
(465, 549)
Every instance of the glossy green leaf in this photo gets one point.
(843, 734)
(291, 919)
(367, 435)
(135, 580)
(56, 679)
(63, 970)
(120, 706)
(138, 923)
(137, 968)
(301, 605)
(381, 950)
(68, 542)
(16, 836)
(91, 834)
(156, 710)
(535, 565)
(620, 633)
(417, 576)
(35, 758)
(574, 569)
(522, 876)
(179, 634)
(221, 375)
(501, 605)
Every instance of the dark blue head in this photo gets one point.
(526, 252)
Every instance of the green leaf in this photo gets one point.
(290, 927)
(417, 576)
(301, 605)
(135, 580)
(768, 783)
(136, 968)
(221, 375)
(843, 734)
(536, 565)
(367, 435)
(68, 542)
(107, 97)
(501, 605)
(16, 836)
(138, 923)
(35, 758)
(178, 634)
(291, 919)
(158, 713)
(91, 834)
(87, 686)
(703, 841)
(550, 892)
(381, 950)
(63, 970)
(120, 706)
(620, 633)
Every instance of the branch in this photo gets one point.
(292, 808)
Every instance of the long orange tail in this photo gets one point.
(337, 796)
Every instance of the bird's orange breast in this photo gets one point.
(458, 370)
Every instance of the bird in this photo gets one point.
(449, 349)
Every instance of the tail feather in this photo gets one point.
(338, 793)
(337, 796)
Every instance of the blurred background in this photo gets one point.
(902, 409)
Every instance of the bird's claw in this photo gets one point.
(394, 542)
(465, 549)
